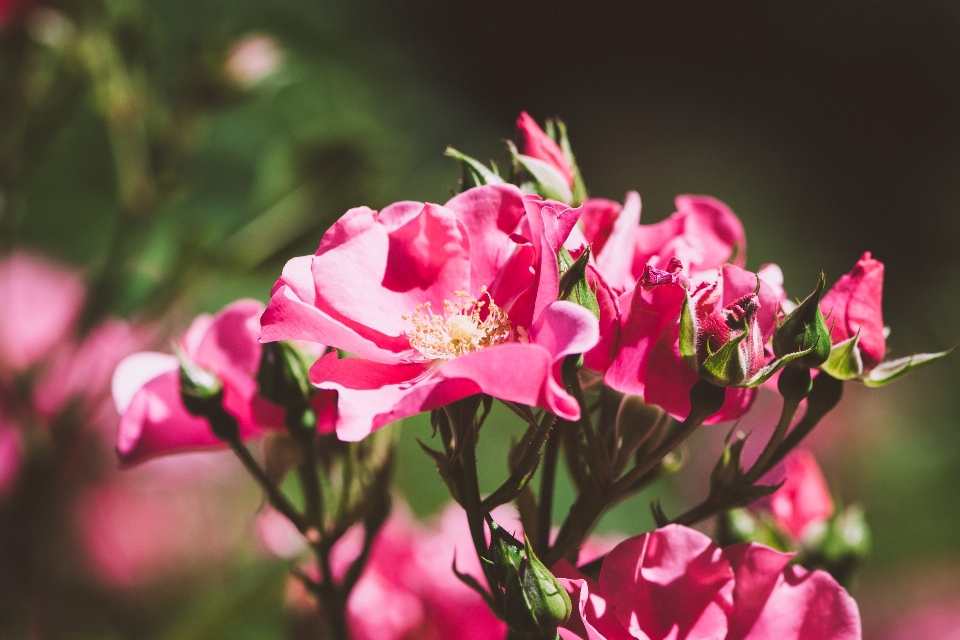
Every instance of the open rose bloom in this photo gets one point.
(676, 584)
(439, 303)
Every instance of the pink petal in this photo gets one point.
(292, 315)
(806, 605)
(804, 497)
(593, 618)
(369, 276)
(671, 583)
(758, 569)
(538, 144)
(739, 282)
(371, 394)
(490, 215)
(855, 304)
(614, 256)
(646, 314)
(40, 302)
(600, 357)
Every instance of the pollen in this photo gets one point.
(462, 328)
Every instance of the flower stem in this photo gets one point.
(547, 482)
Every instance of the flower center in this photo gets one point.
(459, 329)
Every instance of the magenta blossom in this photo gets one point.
(854, 306)
(440, 303)
(146, 388)
(648, 361)
(676, 584)
(804, 498)
(703, 234)
(538, 145)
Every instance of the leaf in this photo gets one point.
(887, 372)
(475, 173)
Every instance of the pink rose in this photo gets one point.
(146, 388)
(440, 303)
(648, 361)
(854, 305)
(675, 583)
(804, 498)
(41, 301)
(538, 144)
(703, 234)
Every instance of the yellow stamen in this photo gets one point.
(459, 330)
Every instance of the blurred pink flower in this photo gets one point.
(407, 590)
(538, 144)
(854, 304)
(675, 583)
(41, 301)
(146, 387)
(804, 498)
(172, 518)
(440, 303)
(81, 372)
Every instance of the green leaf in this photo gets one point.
(887, 372)
(845, 362)
(475, 173)
(767, 372)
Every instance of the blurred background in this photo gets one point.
(172, 155)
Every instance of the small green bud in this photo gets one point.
(201, 392)
(535, 602)
(283, 376)
(805, 329)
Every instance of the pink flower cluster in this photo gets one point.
(675, 583)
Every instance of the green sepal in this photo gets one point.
(579, 188)
(725, 367)
(573, 281)
(659, 516)
(887, 372)
(475, 173)
(688, 333)
(845, 362)
(283, 375)
(767, 372)
(474, 584)
(544, 179)
(201, 393)
(805, 329)
(739, 525)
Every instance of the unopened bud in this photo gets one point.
(805, 329)
(535, 602)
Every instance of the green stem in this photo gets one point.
(762, 465)
(276, 498)
(547, 482)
